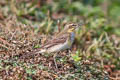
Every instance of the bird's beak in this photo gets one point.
(79, 26)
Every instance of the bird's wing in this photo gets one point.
(55, 41)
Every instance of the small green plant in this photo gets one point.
(76, 57)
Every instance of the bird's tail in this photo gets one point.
(41, 51)
(38, 51)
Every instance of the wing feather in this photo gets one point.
(55, 41)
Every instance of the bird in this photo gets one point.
(62, 41)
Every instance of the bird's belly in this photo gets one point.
(58, 48)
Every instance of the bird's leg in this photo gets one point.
(54, 56)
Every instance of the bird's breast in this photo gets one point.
(72, 37)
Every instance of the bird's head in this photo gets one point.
(71, 27)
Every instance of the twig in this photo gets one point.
(58, 24)
(5, 42)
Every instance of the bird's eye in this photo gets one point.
(73, 25)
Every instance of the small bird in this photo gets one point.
(62, 41)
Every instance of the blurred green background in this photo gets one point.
(102, 15)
